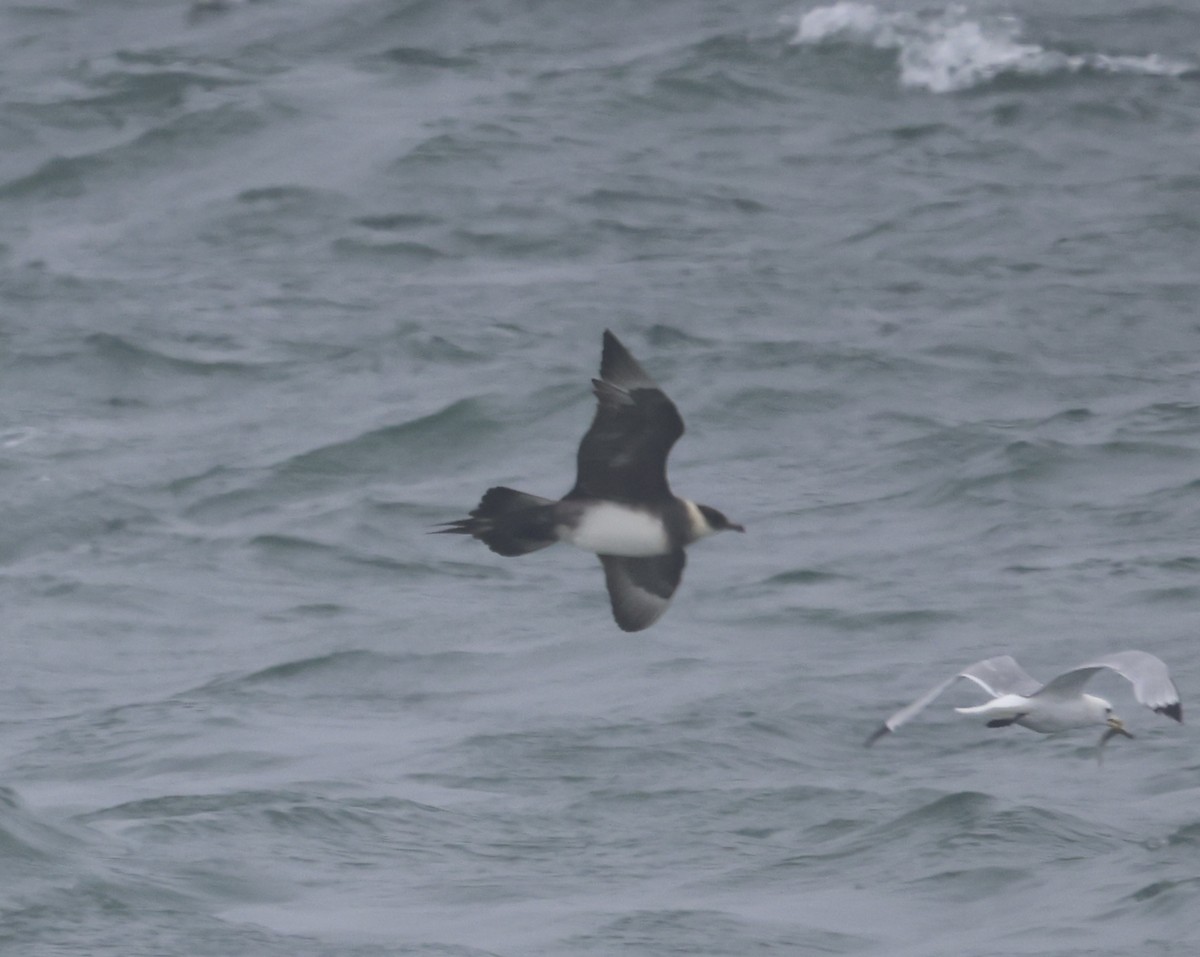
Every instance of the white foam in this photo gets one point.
(950, 51)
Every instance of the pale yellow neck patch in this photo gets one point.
(697, 523)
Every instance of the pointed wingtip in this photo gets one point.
(611, 344)
(878, 733)
(618, 366)
(1173, 710)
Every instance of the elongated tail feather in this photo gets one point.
(509, 522)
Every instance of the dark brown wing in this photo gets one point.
(623, 456)
(640, 589)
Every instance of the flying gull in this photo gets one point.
(1059, 705)
(621, 507)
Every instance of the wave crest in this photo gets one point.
(947, 52)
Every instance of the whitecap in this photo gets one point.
(950, 51)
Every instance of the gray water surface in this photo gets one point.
(284, 284)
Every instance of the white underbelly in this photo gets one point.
(611, 529)
(1060, 716)
(1046, 714)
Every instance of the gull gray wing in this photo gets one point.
(1002, 675)
(1152, 684)
(997, 676)
(640, 589)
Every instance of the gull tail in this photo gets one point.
(508, 522)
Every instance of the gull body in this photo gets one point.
(621, 507)
(1045, 715)
(1060, 704)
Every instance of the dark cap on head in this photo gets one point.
(717, 520)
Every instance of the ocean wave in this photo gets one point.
(953, 50)
(959, 820)
(353, 668)
(131, 358)
(23, 838)
(450, 435)
(318, 818)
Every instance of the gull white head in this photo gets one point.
(1097, 708)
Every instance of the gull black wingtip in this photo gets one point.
(1173, 710)
(882, 731)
